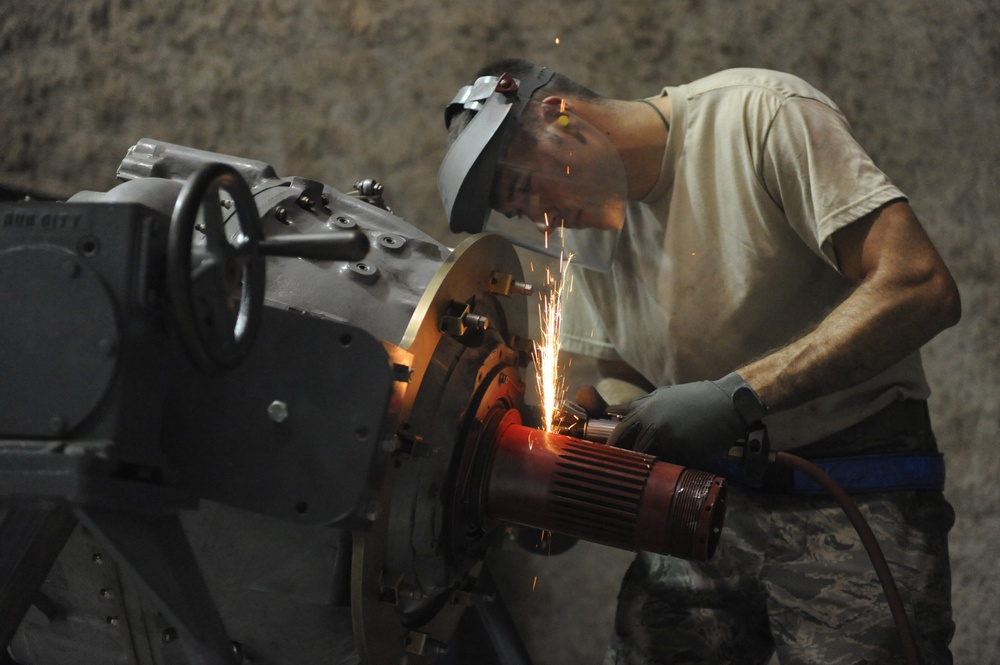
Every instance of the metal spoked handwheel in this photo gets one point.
(216, 288)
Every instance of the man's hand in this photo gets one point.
(691, 423)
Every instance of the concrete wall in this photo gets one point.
(340, 90)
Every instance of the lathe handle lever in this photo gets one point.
(336, 246)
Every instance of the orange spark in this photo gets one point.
(551, 386)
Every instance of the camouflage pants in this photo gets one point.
(791, 578)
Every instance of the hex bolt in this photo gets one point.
(277, 411)
(521, 288)
(281, 215)
(476, 321)
(169, 635)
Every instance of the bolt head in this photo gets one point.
(277, 411)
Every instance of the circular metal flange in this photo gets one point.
(408, 572)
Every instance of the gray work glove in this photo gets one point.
(690, 423)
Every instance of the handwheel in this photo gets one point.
(216, 290)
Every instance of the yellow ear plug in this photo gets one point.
(563, 120)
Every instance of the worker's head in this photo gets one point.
(523, 162)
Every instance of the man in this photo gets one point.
(749, 262)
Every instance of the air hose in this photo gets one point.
(860, 525)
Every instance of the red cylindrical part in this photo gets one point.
(606, 495)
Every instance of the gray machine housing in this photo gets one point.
(293, 509)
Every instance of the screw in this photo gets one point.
(277, 411)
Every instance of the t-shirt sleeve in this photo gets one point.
(815, 170)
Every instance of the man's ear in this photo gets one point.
(553, 107)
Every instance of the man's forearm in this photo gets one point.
(898, 306)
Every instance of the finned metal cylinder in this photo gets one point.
(602, 494)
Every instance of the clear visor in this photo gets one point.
(559, 188)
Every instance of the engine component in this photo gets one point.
(352, 463)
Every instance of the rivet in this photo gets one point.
(277, 411)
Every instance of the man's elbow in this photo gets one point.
(947, 302)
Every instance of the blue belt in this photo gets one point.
(865, 473)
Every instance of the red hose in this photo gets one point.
(871, 546)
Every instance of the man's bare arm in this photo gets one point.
(904, 296)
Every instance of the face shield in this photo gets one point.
(537, 174)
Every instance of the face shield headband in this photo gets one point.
(466, 174)
(558, 189)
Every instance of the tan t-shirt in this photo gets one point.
(730, 256)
